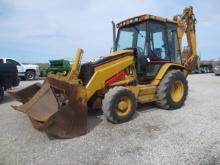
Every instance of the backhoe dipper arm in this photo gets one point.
(186, 25)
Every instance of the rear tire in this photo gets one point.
(172, 91)
(1, 94)
(119, 105)
(30, 75)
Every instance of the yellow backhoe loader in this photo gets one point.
(145, 66)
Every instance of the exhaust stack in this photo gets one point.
(114, 36)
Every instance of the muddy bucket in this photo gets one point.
(59, 108)
(27, 93)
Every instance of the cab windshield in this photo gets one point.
(132, 37)
(152, 39)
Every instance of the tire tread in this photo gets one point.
(163, 90)
(108, 102)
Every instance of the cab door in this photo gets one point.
(158, 51)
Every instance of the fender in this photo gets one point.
(163, 70)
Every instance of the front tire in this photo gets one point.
(119, 105)
(172, 91)
(1, 94)
(30, 75)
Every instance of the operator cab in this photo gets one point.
(155, 42)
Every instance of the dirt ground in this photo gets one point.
(190, 135)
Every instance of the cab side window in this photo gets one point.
(1, 61)
(173, 43)
(158, 48)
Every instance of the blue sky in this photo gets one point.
(40, 30)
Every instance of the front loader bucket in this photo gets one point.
(59, 108)
(27, 93)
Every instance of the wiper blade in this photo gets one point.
(138, 31)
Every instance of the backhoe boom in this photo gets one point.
(186, 25)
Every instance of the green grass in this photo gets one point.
(43, 65)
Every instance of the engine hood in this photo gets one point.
(113, 56)
(116, 53)
(120, 52)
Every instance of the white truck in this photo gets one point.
(27, 71)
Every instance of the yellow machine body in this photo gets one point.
(59, 107)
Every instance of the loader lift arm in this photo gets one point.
(186, 25)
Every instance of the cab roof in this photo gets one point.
(143, 18)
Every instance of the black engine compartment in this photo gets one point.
(87, 69)
(86, 72)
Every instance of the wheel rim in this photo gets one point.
(30, 76)
(124, 106)
(177, 91)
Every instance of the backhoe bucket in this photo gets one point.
(59, 108)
